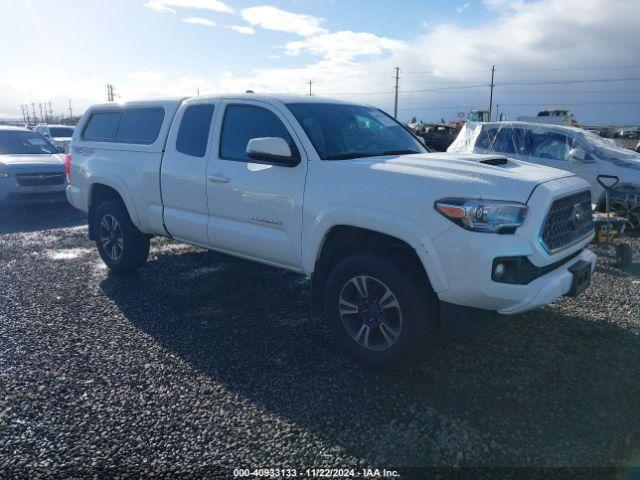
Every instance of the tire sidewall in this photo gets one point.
(414, 305)
(135, 245)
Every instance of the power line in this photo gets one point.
(507, 84)
(528, 70)
(566, 82)
(443, 89)
(507, 104)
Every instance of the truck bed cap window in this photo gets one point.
(134, 125)
(102, 126)
(140, 125)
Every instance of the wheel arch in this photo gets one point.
(104, 190)
(340, 239)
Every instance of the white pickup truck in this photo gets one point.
(391, 236)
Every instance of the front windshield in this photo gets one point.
(19, 142)
(61, 131)
(340, 131)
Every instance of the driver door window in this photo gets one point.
(244, 122)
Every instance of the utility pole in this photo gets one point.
(33, 108)
(24, 116)
(50, 112)
(395, 103)
(41, 114)
(110, 94)
(310, 83)
(493, 71)
(70, 111)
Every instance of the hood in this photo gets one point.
(23, 160)
(455, 174)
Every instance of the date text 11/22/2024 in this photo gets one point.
(315, 473)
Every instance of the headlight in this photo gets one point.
(488, 216)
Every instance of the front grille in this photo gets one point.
(569, 221)
(40, 179)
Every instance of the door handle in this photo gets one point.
(219, 178)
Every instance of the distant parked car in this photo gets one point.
(437, 136)
(573, 149)
(31, 168)
(59, 135)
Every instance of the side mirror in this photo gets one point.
(273, 150)
(577, 154)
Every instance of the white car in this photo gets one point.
(59, 135)
(340, 192)
(573, 149)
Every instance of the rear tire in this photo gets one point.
(121, 245)
(380, 312)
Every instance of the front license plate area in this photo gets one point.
(581, 272)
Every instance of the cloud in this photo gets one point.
(165, 5)
(241, 29)
(462, 7)
(272, 18)
(199, 21)
(345, 45)
(537, 40)
(503, 5)
(147, 76)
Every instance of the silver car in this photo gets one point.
(31, 168)
(59, 135)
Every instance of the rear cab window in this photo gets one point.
(193, 135)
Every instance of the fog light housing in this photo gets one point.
(499, 270)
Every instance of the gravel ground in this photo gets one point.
(202, 363)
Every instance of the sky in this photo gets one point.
(580, 54)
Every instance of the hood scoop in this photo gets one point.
(495, 161)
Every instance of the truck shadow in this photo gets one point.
(546, 388)
(29, 218)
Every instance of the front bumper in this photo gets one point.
(548, 288)
(11, 192)
(467, 259)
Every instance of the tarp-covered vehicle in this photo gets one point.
(573, 149)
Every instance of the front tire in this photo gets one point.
(380, 312)
(121, 245)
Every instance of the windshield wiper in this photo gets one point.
(398, 152)
(347, 156)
